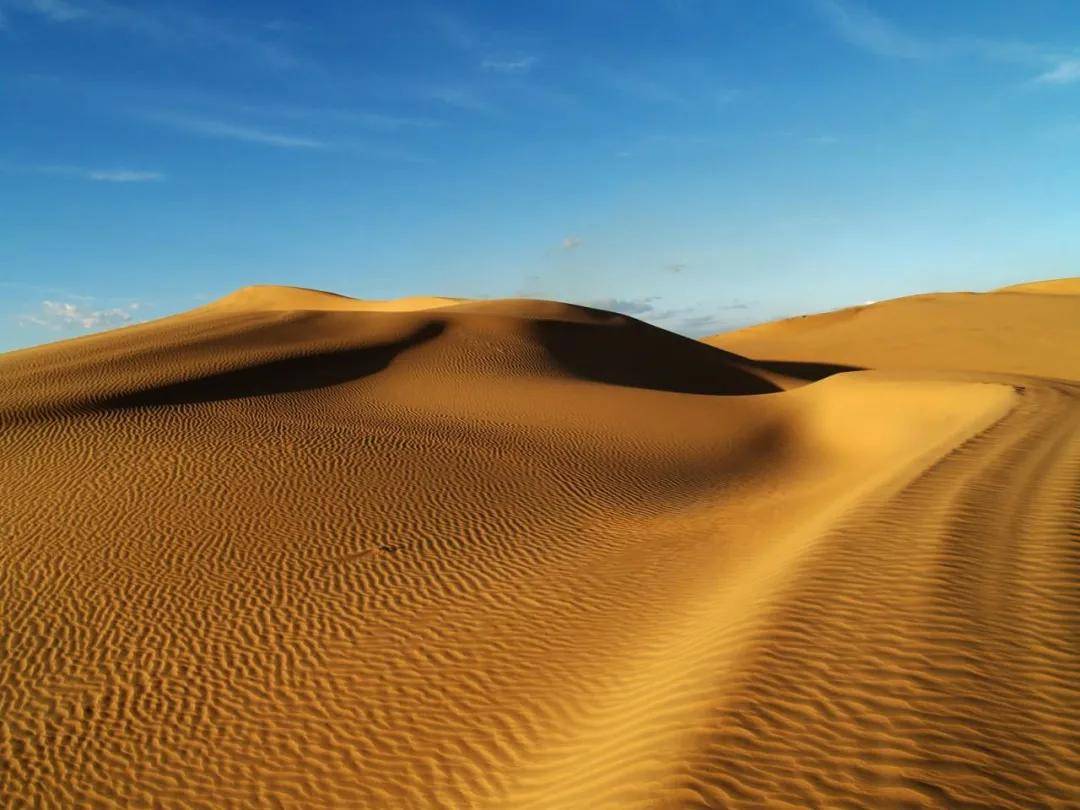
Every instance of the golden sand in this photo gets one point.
(293, 549)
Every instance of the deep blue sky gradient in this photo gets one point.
(703, 164)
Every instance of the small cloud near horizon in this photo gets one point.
(625, 306)
(520, 65)
(61, 315)
(694, 321)
(697, 326)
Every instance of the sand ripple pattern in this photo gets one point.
(300, 559)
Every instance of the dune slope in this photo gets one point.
(1028, 329)
(291, 549)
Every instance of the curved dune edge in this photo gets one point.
(269, 297)
(1056, 286)
(524, 554)
(1035, 334)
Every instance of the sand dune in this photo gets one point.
(294, 549)
(1028, 329)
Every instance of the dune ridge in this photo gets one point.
(1027, 329)
(295, 549)
(273, 297)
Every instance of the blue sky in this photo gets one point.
(703, 164)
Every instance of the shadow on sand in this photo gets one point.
(302, 373)
(644, 356)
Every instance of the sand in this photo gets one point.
(293, 549)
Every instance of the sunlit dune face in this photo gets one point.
(295, 549)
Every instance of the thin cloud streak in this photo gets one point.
(1066, 72)
(360, 119)
(96, 175)
(454, 31)
(212, 128)
(124, 176)
(866, 30)
(862, 28)
(460, 97)
(681, 83)
(53, 10)
(166, 26)
(517, 66)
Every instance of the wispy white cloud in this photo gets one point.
(341, 117)
(1066, 71)
(459, 96)
(699, 320)
(626, 306)
(518, 65)
(123, 176)
(862, 28)
(54, 10)
(452, 29)
(687, 83)
(695, 320)
(697, 326)
(166, 25)
(212, 128)
(65, 315)
(571, 243)
(97, 175)
(379, 122)
(342, 143)
(502, 52)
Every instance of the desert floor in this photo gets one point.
(293, 549)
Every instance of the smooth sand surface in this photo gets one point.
(1029, 329)
(292, 549)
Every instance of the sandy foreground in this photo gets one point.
(292, 549)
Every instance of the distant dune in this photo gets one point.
(1037, 333)
(296, 549)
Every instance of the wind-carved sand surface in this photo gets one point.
(292, 549)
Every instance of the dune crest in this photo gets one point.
(270, 297)
(295, 549)
(1036, 334)
(1056, 286)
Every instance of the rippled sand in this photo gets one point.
(292, 549)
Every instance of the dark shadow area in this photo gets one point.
(288, 375)
(636, 354)
(811, 372)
